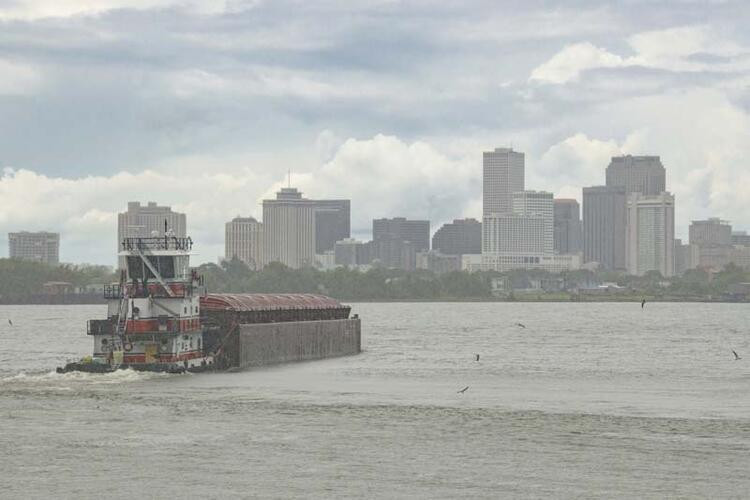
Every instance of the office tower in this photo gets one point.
(39, 247)
(146, 221)
(438, 262)
(350, 252)
(393, 252)
(567, 227)
(637, 174)
(502, 175)
(537, 204)
(514, 233)
(289, 229)
(243, 239)
(462, 236)
(332, 223)
(415, 231)
(686, 257)
(710, 233)
(604, 226)
(741, 238)
(716, 244)
(650, 234)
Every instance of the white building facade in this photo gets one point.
(650, 234)
(289, 229)
(38, 246)
(502, 175)
(243, 239)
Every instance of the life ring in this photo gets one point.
(127, 346)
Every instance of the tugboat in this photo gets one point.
(153, 315)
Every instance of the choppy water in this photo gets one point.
(590, 400)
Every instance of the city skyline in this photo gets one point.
(207, 109)
(513, 199)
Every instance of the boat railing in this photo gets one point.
(156, 290)
(157, 243)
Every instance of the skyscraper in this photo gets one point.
(516, 234)
(650, 234)
(289, 229)
(604, 226)
(145, 221)
(710, 233)
(637, 174)
(415, 231)
(39, 247)
(332, 223)
(537, 204)
(568, 228)
(503, 175)
(243, 239)
(462, 236)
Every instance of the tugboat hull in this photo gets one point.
(205, 365)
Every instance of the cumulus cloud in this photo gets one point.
(387, 177)
(573, 59)
(686, 48)
(206, 105)
(383, 176)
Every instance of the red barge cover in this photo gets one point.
(246, 302)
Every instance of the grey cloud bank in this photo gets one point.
(205, 105)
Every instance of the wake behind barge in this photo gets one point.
(160, 318)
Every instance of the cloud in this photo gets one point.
(572, 60)
(18, 79)
(383, 176)
(699, 134)
(686, 48)
(38, 9)
(387, 177)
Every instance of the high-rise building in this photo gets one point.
(604, 226)
(393, 252)
(537, 204)
(710, 233)
(650, 234)
(39, 246)
(146, 221)
(503, 175)
(332, 223)
(415, 231)
(515, 233)
(741, 238)
(568, 228)
(462, 236)
(350, 252)
(637, 174)
(289, 229)
(438, 262)
(244, 240)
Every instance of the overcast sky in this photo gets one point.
(205, 105)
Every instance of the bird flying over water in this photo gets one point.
(736, 356)
(10, 322)
(477, 355)
(463, 390)
(643, 303)
(521, 325)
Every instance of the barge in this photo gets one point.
(160, 318)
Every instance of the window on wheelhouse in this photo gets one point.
(164, 265)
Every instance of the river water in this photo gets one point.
(587, 401)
